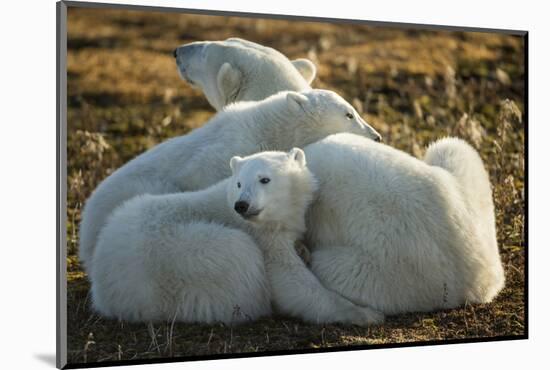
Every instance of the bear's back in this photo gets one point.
(366, 186)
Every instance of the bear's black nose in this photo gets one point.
(241, 207)
(175, 53)
(378, 139)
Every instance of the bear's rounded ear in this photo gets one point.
(229, 82)
(298, 155)
(306, 68)
(296, 101)
(234, 163)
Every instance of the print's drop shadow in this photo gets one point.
(47, 358)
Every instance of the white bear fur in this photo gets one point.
(402, 235)
(239, 70)
(184, 257)
(199, 159)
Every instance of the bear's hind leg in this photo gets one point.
(223, 274)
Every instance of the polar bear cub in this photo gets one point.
(239, 70)
(402, 234)
(199, 159)
(197, 256)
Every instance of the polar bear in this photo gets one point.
(197, 256)
(199, 159)
(401, 234)
(239, 70)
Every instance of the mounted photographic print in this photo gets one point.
(235, 185)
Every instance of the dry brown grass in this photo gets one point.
(414, 86)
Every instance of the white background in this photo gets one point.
(27, 193)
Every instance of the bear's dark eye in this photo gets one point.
(264, 180)
(349, 115)
(239, 185)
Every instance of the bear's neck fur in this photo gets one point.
(281, 128)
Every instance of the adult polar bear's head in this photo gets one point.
(295, 119)
(271, 187)
(239, 70)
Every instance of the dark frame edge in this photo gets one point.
(526, 180)
(61, 191)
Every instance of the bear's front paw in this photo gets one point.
(364, 316)
(303, 251)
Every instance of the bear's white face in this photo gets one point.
(331, 113)
(264, 186)
(235, 69)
